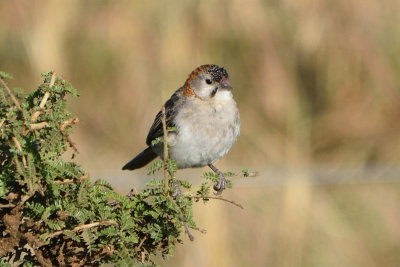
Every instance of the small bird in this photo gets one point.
(206, 123)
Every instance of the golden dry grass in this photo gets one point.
(317, 83)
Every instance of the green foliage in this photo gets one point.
(245, 172)
(157, 141)
(52, 214)
(155, 166)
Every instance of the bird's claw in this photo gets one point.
(220, 186)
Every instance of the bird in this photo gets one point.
(205, 123)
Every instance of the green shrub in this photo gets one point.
(52, 214)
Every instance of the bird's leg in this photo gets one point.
(221, 184)
(177, 188)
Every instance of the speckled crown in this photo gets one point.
(216, 72)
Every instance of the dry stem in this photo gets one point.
(45, 98)
(62, 127)
(166, 174)
(83, 226)
(12, 96)
(71, 181)
(37, 126)
(18, 145)
(215, 197)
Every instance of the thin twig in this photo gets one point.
(45, 98)
(5, 206)
(47, 94)
(62, 127)
(38, 113)
(66, 181)
(12, 96)
(82, 227)
(203, 231)
(18, 145)
(71, 181)
(215, 197)
(143, 257)
(141, 243)
(166, 174)
(191, 237)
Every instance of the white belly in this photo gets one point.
(205, 133)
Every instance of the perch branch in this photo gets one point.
(166, 174)
(215, 197)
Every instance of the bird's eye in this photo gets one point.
(208, 81)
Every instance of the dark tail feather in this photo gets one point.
(140, 160)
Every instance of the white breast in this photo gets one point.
(207, 130)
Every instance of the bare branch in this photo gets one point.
(203, 231)
(18, 145)
(12, 96)
(5, 206)
(166, 174)
(215, 197)
(82, 227)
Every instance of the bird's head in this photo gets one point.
(207, 81)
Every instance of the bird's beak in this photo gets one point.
(225, 84)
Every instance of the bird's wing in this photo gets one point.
(171, 105)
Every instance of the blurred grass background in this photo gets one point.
(318, 88)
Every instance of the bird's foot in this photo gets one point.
(221, 184)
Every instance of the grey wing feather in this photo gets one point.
(156, 129)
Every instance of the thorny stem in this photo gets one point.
(215, 197)
(166, 174)
(12, 96)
